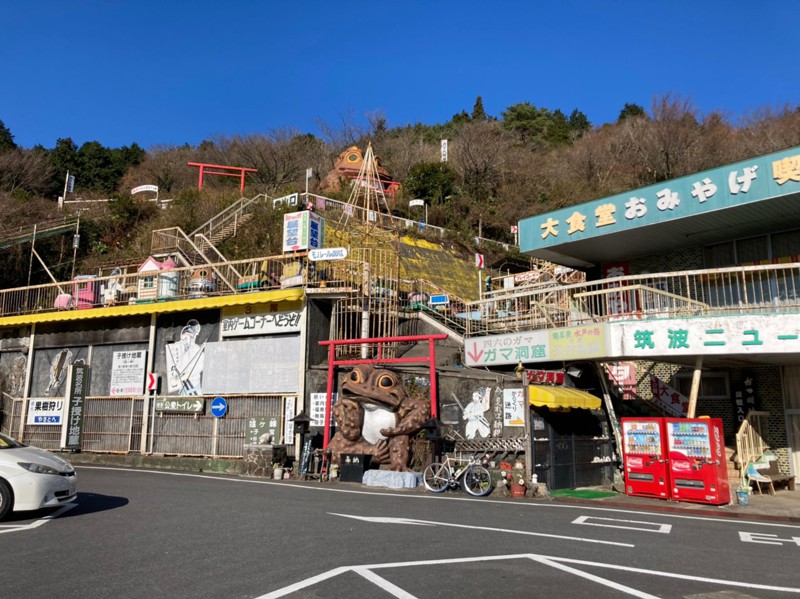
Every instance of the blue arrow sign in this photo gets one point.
(219, 407)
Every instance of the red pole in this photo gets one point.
(432, 364)
(200, 178)
(241, 183)
(329, 394)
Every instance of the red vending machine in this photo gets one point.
(697, 468)
(645, 457)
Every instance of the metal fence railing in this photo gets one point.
(742, 289)
(257, 274)
(117, 425)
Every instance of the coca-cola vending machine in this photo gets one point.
(697, 468)
(645, 457)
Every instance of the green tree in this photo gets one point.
(6, 138)
(558, 132)
(631, 110)
(478, 113)
(433, 181)
(63, 158)
(529, 123)
(579, 122)
(460, 118)
(95, 167)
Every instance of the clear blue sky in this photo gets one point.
(172, 72)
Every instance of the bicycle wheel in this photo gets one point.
(436, 477)
(477, 481)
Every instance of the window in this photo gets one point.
(713, 385)
(752, 250)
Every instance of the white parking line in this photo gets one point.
(625, 524)
(36, 523)
(385, 520)
(556, 562)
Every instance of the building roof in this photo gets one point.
(748, 198)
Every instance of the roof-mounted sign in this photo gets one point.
(142, 188)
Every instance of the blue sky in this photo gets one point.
(174, 72)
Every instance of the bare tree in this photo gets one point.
(24, 169)
(664, 146)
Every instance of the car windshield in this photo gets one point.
(7, 442)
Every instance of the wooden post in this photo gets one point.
(698, 371)
(526, 415)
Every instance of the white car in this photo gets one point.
(32, 478)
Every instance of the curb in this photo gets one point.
(729, 515)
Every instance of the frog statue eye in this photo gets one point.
(385, 382)
(355, 376)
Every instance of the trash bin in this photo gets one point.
(352, 467)
(743, 496)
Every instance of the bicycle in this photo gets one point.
(474, 478)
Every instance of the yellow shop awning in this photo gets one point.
(562, 397)
(158, 307)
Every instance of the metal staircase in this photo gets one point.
(24, 234)
(200, 246)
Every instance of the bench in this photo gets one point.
(774, 476)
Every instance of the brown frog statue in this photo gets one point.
(376, 416)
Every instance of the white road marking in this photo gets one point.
(765, 539)
(558, 562)
(383, 584)
(440, 497)
(473, 527)
(654, 526)
(609, 583)
(36, 523)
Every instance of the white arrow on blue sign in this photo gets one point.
(219, 407)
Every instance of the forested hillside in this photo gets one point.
(521, 162)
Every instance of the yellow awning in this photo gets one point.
(562, 397)
(158, 307)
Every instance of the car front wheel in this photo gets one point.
(5, 499)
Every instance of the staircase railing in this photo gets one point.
(174, 239)
(230, 215)
(452, 315)
(750, 445)
(15, 235)
(216, 256)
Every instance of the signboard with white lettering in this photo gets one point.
(753, 180)
(127, 373)
(45, 411)
(513, 348)
(327, 254)
(242, 321)
(182, 404)
(318, 408)
(72, 431)
(760, 334)
(303, 231)
(142, 188)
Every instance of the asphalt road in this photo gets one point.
(135, 533)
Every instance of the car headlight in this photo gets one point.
(38, 468)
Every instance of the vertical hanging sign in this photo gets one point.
(444, 150)
(72, 430)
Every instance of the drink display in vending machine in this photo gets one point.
(645, 458)
(697, 467)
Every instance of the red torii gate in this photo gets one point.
(380, 341)
(239, 171)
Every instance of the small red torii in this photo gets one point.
(239, 171)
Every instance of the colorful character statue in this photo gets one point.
(376, 416)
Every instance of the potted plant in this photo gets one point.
(277, 471)
(514, 480)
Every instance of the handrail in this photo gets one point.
(702, 292)
(268, 273)
(231, 212)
